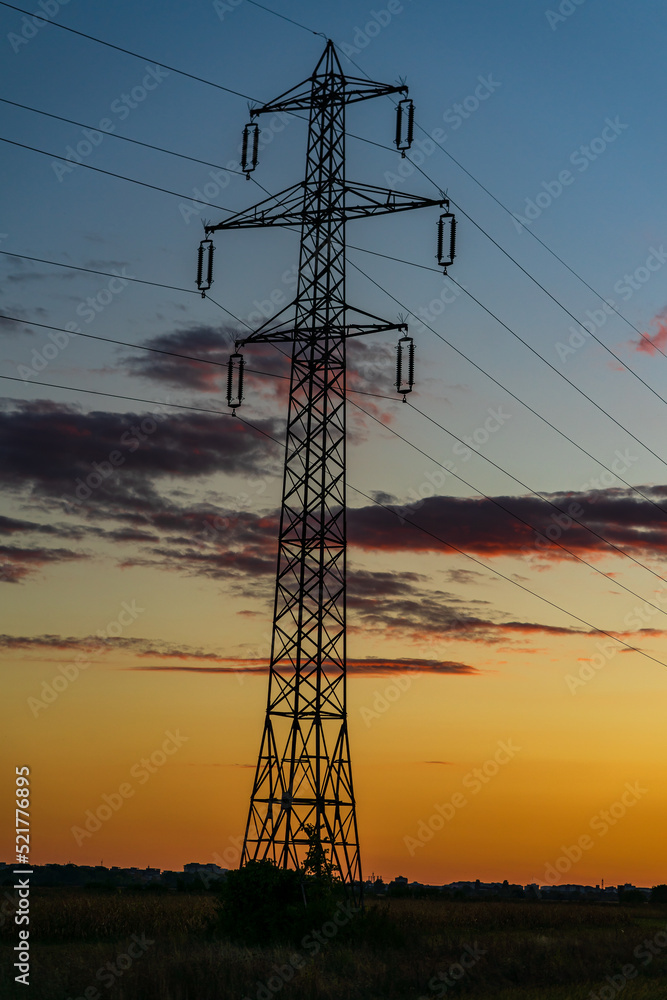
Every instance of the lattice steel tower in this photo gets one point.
(304, 777)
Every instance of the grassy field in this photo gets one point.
(144, 946)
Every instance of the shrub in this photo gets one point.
(264, 904)
(659, 895)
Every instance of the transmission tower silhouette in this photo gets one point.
(303, 792)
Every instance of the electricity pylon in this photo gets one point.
(303, 782)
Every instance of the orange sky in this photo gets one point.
(416, 738)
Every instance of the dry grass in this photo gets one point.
(532, 951)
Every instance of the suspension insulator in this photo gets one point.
(405, 366)
(235, 380)
(446, 240)
(205, 266)
(249, 149)
(405, 124)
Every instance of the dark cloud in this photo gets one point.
(478, 526)
(105, 265)
(364, 584)
(377, 667)
(226, 564)
(465, 576)
(213, 345)
(17, 563)
(206, 661)
(427, 615)
(13, 525)
(53, 449)
(138, 646)
(10, 328)
(21, 277)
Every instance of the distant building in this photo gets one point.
(193, 867)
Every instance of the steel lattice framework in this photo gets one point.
(304, 776)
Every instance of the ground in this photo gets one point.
(142, 945)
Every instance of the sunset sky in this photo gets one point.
(139, 536)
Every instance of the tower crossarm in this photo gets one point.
(282, 209)
(300, 97)
(271, 332)
(381, 201)
(287, 207)
(351, 88)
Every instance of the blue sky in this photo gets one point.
(554, 89)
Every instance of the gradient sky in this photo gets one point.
(172, 555)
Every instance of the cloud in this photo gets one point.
(267, 370)
(22, 329)
(478, 526)
(51, 448)
(212, 345)
(369, 667)
(198, 660)
(466, 576)
(428, 616)
(16, 564)
(651, 344)
(50, 452)
(13, 525)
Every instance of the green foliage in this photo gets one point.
(317, 865)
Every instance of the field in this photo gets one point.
(166, 946)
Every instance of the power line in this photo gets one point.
(157, 350)
(501, 385)
(360, 138)
(504, 576)
(564, 377)
(530, 232)
(106, 274)
(110, 274)
(243, 323)
(283, 17)
(129, 52)
(533, 279)
(255, 371)
(110, 340)
(123, 138)
(539, 496)
(116, 395)
(520, 339)
(478, 562)
(132, 180)
(146, 185)
(110, 173)
(553, 298)
(625, 366)
(522, 520)
(361, 392)
(597, 294)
